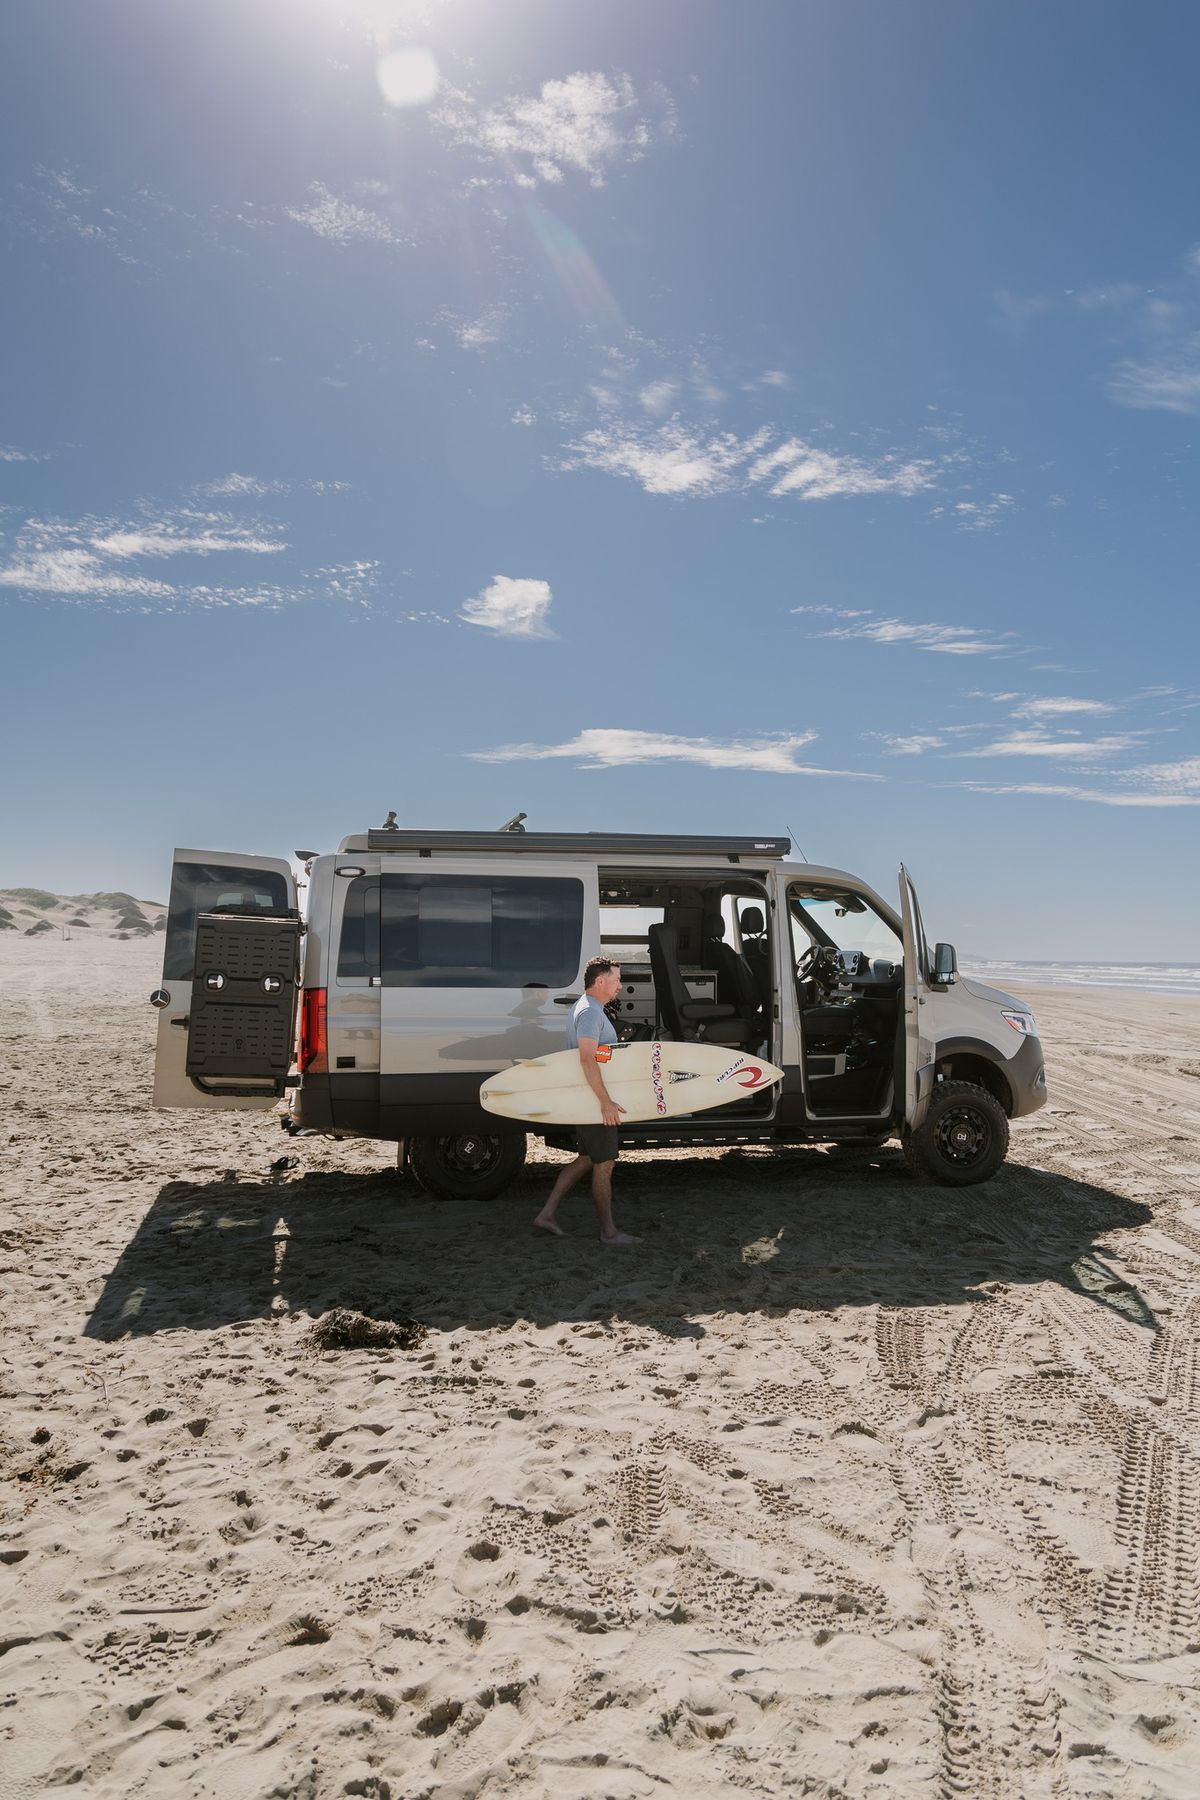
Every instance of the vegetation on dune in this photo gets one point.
(42, 925)
(34, 896)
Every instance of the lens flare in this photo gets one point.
(582, 282)
(408, 77)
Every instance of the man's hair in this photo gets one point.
(598, 965)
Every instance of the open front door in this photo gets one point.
(918, 1049)
(227, 1004)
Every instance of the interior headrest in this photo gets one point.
(714, 926)
(751, 919)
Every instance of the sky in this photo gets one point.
(778, 418)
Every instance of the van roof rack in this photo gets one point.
(568, 843)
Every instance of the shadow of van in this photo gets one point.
(745, 1232)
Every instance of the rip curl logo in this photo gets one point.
(656, 1081)
(749, 1075)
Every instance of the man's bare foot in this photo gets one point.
(620, 1237)
(540, 1224)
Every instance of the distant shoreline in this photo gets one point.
(1177, 980)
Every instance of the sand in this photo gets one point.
(836, 1484)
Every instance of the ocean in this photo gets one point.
(1139, 977)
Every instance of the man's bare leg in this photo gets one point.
(602, 1195)
(574, 1171)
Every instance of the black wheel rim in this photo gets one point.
(471, 1155)
(963, 1136)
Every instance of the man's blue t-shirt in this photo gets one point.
(589, 1019)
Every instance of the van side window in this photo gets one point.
(201, 887)
(480, 930)
(358, 951)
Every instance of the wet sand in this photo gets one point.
(835, 1484)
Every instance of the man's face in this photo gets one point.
(607, 987)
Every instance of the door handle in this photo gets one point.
(182, 1023)
(565, 999)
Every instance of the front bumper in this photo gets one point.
(1026, 1076)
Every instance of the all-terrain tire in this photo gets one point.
(963, 1138)
(468, 1165)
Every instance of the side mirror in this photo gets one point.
(945, 966)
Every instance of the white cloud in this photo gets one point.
(981, 515)
(69, 571)
(524, 415)
(797, 468)
(512, 607)
(9, 453)
(341, 221)
(945, 640)
(617, 748)
(586, 123)
(480, 333)
(669, 460)
(676, 460)
(1055, 706)
(656, 397)
(1067, 749)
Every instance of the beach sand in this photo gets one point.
(835, 1484)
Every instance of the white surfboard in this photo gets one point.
(651, 1081)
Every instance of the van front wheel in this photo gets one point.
(962, 1139)
(470, 1165)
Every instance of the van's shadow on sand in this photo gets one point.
(795, 1230)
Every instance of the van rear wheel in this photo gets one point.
(962, 1139)
(470, 1165)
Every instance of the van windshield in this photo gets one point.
(848, 921)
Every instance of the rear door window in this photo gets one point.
(203, 887)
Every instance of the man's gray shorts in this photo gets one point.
(600, 1142)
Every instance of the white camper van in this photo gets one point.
(428, 960)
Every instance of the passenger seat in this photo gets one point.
(756, 948)
(685, 1018)
(735, 977)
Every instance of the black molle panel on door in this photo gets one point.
(243, 1005)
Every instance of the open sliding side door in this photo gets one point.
(227, 1004)
(918, 1047)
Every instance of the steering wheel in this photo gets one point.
(806, 967)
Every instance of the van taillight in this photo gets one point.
(314, 1057)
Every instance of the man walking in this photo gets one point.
(590, 1031)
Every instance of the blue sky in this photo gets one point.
(682, 417)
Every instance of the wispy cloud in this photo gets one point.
(674, 459)
(585, 124)
(1166, 383)
(342, 221)
(1097, 796)
(10, 454)
(944, 640)
(1060, 749)
(1052, 706)
(257, 487)
(89, 559)
(511, 606)
(189, 534)
(916, 745)
(614, 748)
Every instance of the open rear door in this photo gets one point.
(918, 1049)
(231, 962)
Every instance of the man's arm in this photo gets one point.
(610, 1112)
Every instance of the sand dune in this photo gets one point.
(836, 1484)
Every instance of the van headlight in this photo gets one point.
(1023, 1022)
